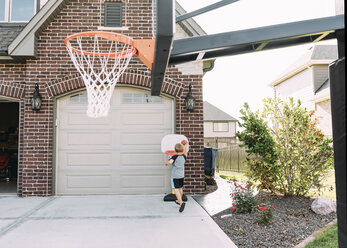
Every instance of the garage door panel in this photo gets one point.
(143, 159)
(89, 181)
(89, 159)
(142, 181)
(143, 139)
(138, 118)
(88, 138)
(78, 118)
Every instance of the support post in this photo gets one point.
(337, 77)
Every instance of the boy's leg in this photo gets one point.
(178, 195)
(181, 191)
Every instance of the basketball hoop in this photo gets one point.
(101, 58)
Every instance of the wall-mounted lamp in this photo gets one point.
(36, 100)
(190, 100)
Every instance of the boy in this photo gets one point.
(177, 162)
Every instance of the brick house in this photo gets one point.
(60, 150)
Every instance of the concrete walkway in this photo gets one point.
(106, 221)
(219, 200)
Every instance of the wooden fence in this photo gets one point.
(230, 156)
(231, 159)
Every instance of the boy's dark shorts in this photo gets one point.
(178, 183)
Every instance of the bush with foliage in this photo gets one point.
(264, 214)
(243, 198)
(260, 146)
(290, 154)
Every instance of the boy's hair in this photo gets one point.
(179, 147)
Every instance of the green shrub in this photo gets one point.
(304, 155)
(288, 153)
(260, 146)
(243, 199)
(264, 214)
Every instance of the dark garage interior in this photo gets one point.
(9, 127)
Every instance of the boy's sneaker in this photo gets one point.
(182, 206)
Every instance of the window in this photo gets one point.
(17, 10)
(113, 14)
(129, 98)
(220, 126)
(2, 12)
(79, 98)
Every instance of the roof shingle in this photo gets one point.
(212, 113)
(8, 32)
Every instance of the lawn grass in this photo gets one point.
(328, 191)
(234, 176)
(327, 239)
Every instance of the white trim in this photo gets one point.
(5, 57)
(102, 28)
(9, 99)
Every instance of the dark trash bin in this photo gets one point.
(209, 161)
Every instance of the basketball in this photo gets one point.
(183, 142)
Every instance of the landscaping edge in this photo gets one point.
(303, 243)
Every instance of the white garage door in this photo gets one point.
(118, 154)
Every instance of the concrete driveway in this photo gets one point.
(106, 221)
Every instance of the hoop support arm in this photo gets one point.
(145, 51)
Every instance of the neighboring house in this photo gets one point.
(60, 150)
(308, 80)
(219, 127)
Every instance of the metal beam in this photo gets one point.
(204, 10)
(163, 43)
(249, 40)
(246, 48)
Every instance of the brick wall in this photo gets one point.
(56, 75)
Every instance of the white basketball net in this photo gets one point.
(100, 73)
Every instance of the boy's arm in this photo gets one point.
(185, 151)
(169, 162)
(185, 145)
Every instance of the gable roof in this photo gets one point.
(315, 55)
(212, 113)
(21, 43)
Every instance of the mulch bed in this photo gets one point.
(293, 222)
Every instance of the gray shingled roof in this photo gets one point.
(324, 52)
(325, 85)
(7, 33)
(212, 113)
(314, 54)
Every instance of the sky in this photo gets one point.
(235, 80)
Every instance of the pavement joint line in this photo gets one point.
(110, 217)
(24, 217)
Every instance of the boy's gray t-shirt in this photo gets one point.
(178, 166)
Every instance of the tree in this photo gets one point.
(260, 146)
(301, 155)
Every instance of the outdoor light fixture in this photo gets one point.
(36, 100)
(190, 100)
